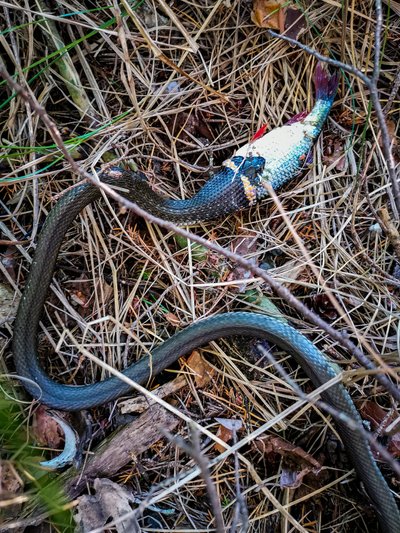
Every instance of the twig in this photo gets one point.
(341, 337)
(334, 62)
(194, 450)
(241, 512)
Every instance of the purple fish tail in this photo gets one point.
(325, 83)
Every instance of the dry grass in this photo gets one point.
(119, 281)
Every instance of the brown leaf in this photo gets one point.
(46, 430)
(295, 22)
(324, 307)
(224, 434)
(172, 319)
(202, 371)
(394, 445)
(269, 14)
(278, 15)
(374, 413)
(301, 462)
(184, 126)
(228, 427)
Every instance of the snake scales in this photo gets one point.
(235, 186)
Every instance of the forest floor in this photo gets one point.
(173, 91)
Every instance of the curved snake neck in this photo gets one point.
(220, 196)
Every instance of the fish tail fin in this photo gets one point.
(325, 84)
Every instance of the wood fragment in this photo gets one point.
(121, 447)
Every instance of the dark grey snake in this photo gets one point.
(236, 186)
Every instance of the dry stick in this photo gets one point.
(194, 450)
(241, 512)
(371, 83)
(280, 290)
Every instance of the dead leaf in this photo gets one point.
(224, 434)
(110, 503)
(323, 306)
(374, 413)
(278, 15)
(269, 14)
(299, 463)
(184, 126)
(226, 431)
(46, 430)
(295, 22)
(202, 371)
(172, 319)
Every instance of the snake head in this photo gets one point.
(252, 167)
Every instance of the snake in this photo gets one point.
(237, 185)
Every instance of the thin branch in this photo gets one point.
(334, 62)
(377, 43)
(341, 337)
(194, 450)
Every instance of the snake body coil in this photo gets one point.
(68, 397)
(237, 185)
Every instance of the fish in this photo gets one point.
(283, 153)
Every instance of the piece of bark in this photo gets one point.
(119, 448)
(140, 403)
